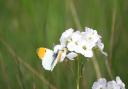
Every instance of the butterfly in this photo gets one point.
(50, 58)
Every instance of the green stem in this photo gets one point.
(78, 75)
(108, 68)
(96, 67)
(75, 15)
(72, 9)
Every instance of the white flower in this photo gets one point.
(101, 47)
(73, 43)
(74, 47)
(100, 84)
(66, 36)
(79, 49)
(71, 55)
(112, 85)
(103, 84)
(120, 83)
(82, 42)
(90, 37)
(88, 53)
(100, 44)
(76, 36)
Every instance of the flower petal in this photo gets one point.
(71, 55)
(71, 46)
(120, 83)
(88, 53)
(100, 84)
(66, 36)
(76, 36)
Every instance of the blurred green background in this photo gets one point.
(26, 25)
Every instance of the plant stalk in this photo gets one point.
(96, 67)
(78, 75)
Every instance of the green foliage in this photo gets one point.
(26, 25)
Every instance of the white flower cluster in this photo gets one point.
(103, 84)
(76, 42)
(71, 44)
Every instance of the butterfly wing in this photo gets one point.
(48, 59)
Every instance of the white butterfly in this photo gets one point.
(50, 58)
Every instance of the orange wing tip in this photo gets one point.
(41, 52)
